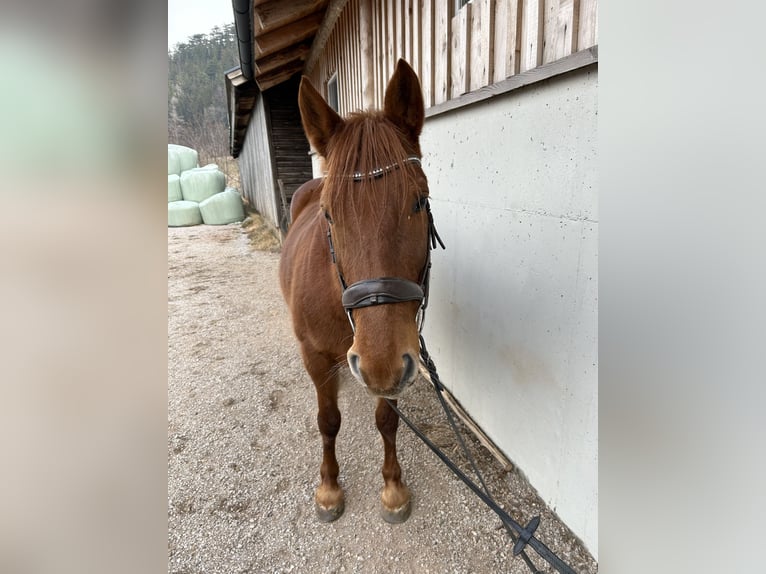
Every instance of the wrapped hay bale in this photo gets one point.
(222, 208)
(198, 184)
(183, 213)
(174, 163)
(174, 188)
(187, 157)
(210, 166)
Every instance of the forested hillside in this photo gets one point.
(197, 94)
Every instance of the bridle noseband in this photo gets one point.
(387, 290)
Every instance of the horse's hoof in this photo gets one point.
(329, 514)
(398, 515)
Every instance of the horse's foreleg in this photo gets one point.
(395, 496)
(329, 495)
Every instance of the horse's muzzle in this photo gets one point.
(391, 386)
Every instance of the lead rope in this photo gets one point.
(525, 534)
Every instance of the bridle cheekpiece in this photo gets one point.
(387, 290)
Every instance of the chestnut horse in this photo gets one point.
(365, 219)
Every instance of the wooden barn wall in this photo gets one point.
(255, 165)
(292, 163)
(275, 148)
(453, 51)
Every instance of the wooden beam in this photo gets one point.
(283, 57)
(459, 55)
(466, 419)
(390, 40)
(276, 77)
(575, 26)
(278, 13)
(441, 41)
(505, 39)
(587, 29)
(279, 38)
(415, 29)
(323, 34)
(427, 38)
(560, 29)
(482, 43)
(532, 34)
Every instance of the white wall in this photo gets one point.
(512, 322)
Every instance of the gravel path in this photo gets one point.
(244, 450)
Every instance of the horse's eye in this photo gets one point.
(421, 203)
(327, 216)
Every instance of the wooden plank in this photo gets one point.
(461, 42)
(578, 60)
(275, 77)
(482, 43)
(390, 39)
(587, 30)
(474, 64)
(466, 419)
(281, 58)
(400, 33)
(355, 41)
(559, 27)
(416, 48)
(376, 54)
(532, 34)
(366, 45)
(334, 8)
(280, 38)
(344, 63)
(427, 52)
(441, 50)
(503, 46)
(407, 31)
(277, 13)
(344, 71)
(382, 63)
(517, 7)
(575, 27)
(360, 80)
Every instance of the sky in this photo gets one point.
(189, 17)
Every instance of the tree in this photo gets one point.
(197, 115)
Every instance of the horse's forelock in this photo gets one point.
(368, 141)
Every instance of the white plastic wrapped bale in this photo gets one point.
(222, 208)
(198, 184)
(187, 157)
(174, 162)
(174, 188)
(183, 213)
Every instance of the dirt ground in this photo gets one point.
(244, 450)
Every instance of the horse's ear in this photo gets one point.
(404, 101)
(320, 121)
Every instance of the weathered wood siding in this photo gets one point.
(452, 51)
(289, 144)
(255, 165)
(275, 148)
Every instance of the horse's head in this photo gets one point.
(374, 200)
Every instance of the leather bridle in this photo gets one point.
(387, 290)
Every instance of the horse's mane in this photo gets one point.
(368, 141)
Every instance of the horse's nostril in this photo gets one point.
(353, 363)
(410, 368)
